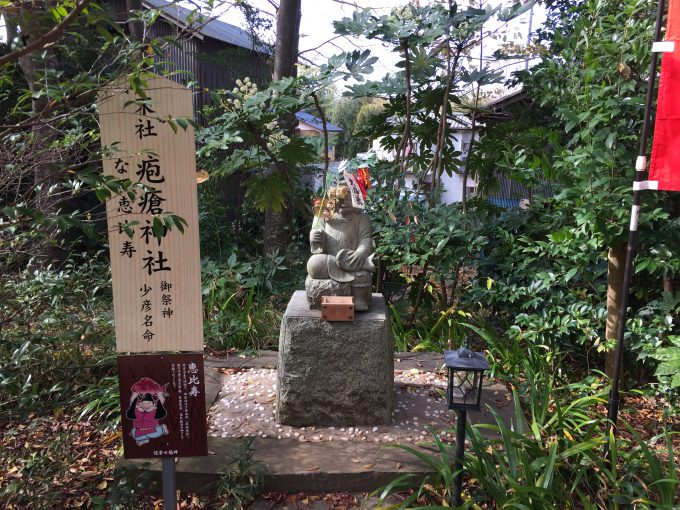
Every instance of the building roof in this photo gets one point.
(459, 122)
(214, 28)
(497, 109)
(507, 99)
(316, 122)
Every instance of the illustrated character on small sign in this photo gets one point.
(146, 410)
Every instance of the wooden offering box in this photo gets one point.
(337, 308)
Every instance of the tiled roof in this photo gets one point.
(315, 122)
(214, 28)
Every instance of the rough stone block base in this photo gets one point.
(334, 373)
(318, 288)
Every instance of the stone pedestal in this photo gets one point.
(334, 373)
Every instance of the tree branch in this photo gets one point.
(325, 136)
(48, 38)
(466, 170)
(404, 145)
(310, 62)
(78, 101)
(322, 44)
(351, 4)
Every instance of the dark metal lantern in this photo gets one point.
(466, 373)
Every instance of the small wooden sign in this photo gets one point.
(337, 308)
(162, 400)
(156, 272)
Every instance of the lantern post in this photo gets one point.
(464, 393)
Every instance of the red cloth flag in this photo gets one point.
(664, 169)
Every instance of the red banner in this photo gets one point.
(664, 169)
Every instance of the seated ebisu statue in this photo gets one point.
(342, 253)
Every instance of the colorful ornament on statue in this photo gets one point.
(323, 207)
(364, 177)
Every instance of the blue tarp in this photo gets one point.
(505, 203)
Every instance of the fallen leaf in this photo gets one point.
(112, 437)
(368, 466)
(316, 468)
(15, 473)
(202, 176)
(398, 465)
(102, 485)
(624, 70)
(356, 461)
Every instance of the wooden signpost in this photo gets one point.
(156, 281)
(156, 272)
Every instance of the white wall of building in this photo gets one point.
(452, 186)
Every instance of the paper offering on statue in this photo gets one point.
(355, 191)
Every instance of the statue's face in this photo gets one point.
(342, 199)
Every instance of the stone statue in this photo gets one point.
(342, 253)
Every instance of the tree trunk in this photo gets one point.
(10, 27)
(46, 173)
(135, 26)
(466, 170)
(276, 224)
(668, 283)
(287, 36)
(616, 262)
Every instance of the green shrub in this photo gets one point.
(53, 323)
(550, 459)
(239, 310)
(241, 479)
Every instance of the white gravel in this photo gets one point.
(246, 407)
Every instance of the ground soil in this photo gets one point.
(57, 461)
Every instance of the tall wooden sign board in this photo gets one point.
(156, 282)
(156, 275)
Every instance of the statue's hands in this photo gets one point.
(316, 236)
(355, 259)
(316, 241)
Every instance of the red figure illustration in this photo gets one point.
(146, 410)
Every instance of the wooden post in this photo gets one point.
(613, 404)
